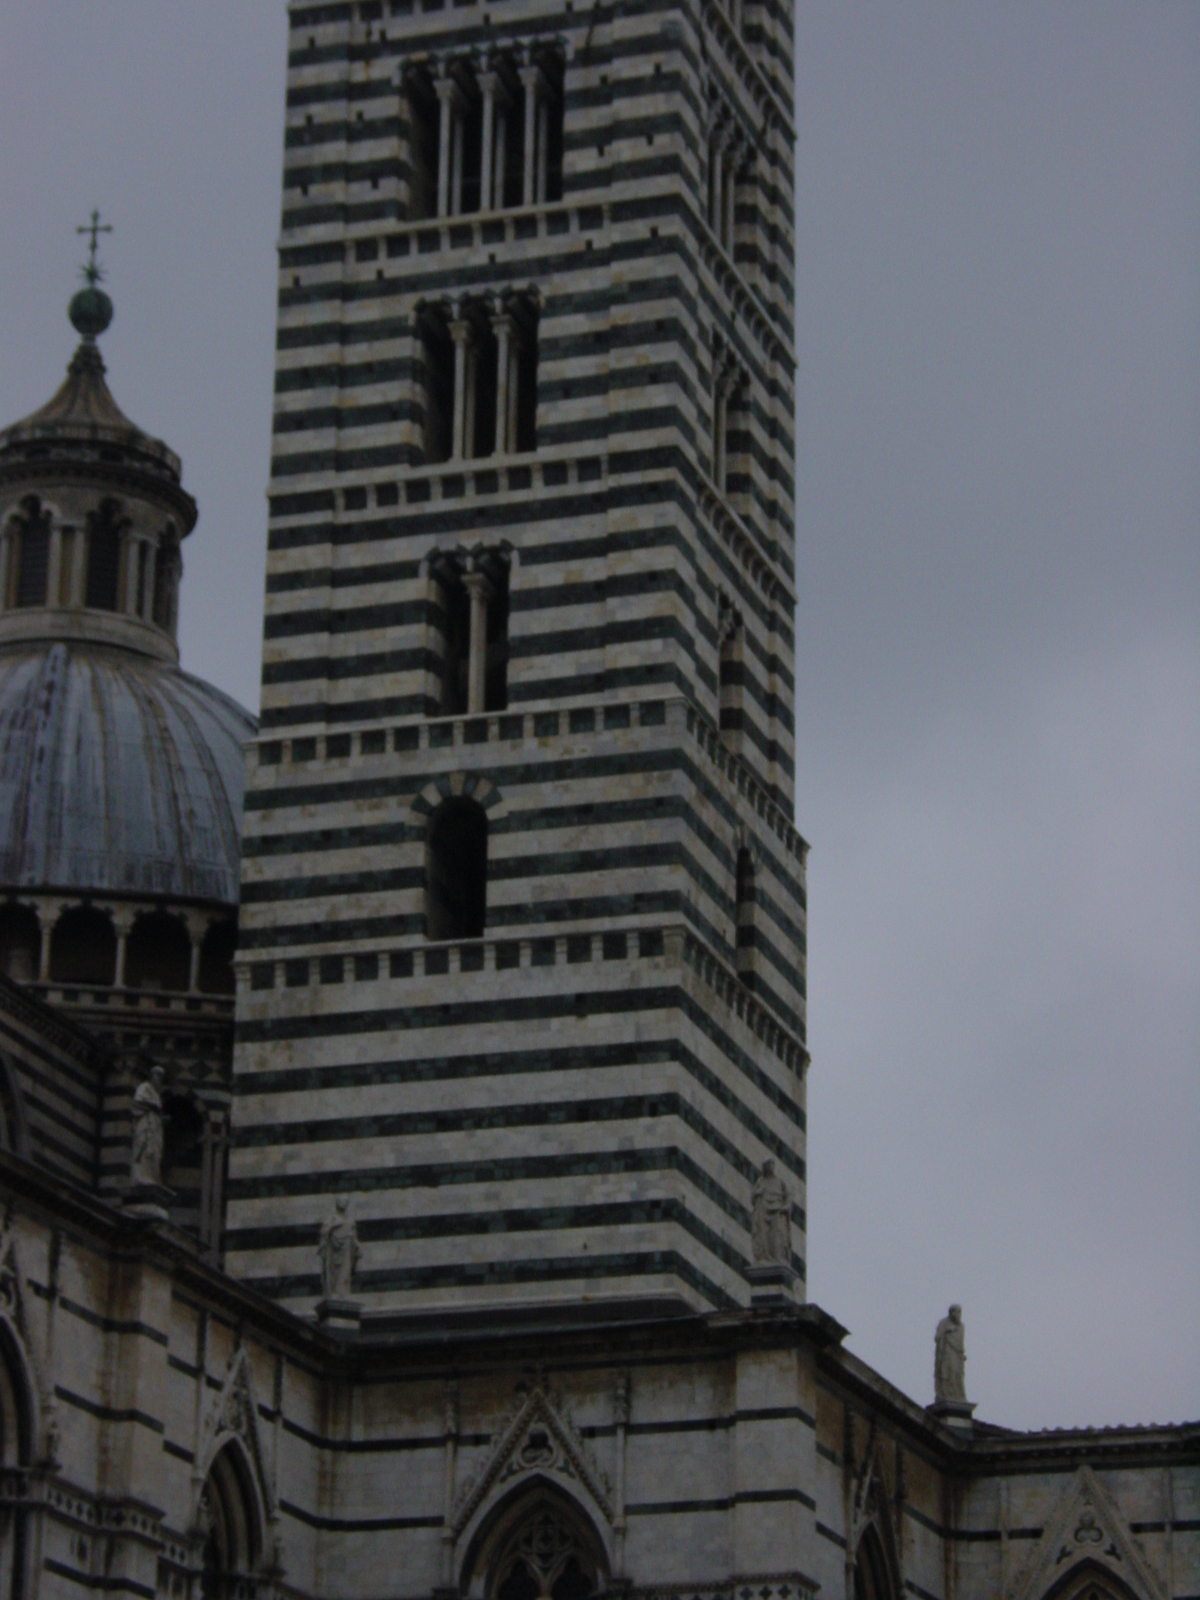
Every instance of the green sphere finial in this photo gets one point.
(91, 310)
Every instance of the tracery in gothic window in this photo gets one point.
(543, 1549)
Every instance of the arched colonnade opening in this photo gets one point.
(85, 949)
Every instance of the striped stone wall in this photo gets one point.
(579, 1101)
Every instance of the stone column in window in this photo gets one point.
(122, 921)
(503, 324)
(489, 85)
(175, 572)
(529, 79)
(130, 549)
(470, 445)
(197, 927)
(456, 163)
(54, 564)
(543, 151)
(48, 914)
(447, 95)
(148, 576)
(79, 553)
(500, 161)
(480, 591)
(460, 332)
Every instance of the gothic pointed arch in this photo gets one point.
(536, 1543)
(229, 1518)
(32, 1400)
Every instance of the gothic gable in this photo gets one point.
(234, 1415)
(1086, 1528)
(538, 1440)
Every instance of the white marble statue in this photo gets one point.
(339, 1252)
(146, 1148)
(771, 1221)
(950, 1358)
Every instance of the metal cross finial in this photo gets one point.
(92, 271)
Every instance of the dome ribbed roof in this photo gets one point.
(117, 774)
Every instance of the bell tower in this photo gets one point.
(522, 946)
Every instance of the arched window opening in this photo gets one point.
(730, 639)
(523, 432)
(456, 871)
(105, 526)
(452, 613)
(744, 917)
(422, 147)
(159, 953)
(183, 1158)
(871, 1579)
(541, 1548)
(20, 942)
(14, 1130)
(471, 619)
(32, 531)
(166, 571)
(496, 670)
(216, 958)
(737, 443)
(83, 947)
(229, 1516)
(437, 361)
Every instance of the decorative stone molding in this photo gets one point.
(469, 785)
(537, 1441)
(1086, 1528)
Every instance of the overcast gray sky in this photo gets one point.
(999, 573)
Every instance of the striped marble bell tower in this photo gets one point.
(522, 951)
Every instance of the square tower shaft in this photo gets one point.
(523, 906)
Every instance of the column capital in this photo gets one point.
(478, 584)
(460, 330)
(447, 90)
(123, 918)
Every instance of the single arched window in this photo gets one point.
(159, 953)
(744, 917)
(20, 942)
(83, 947)
(230, 1519)
(871, 1577)
(456, 870)
(32, 529)
(183, 1159)
(216, 958)
(103, 556)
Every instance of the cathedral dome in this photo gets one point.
(118, 774)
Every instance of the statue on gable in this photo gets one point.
(950, 1359)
